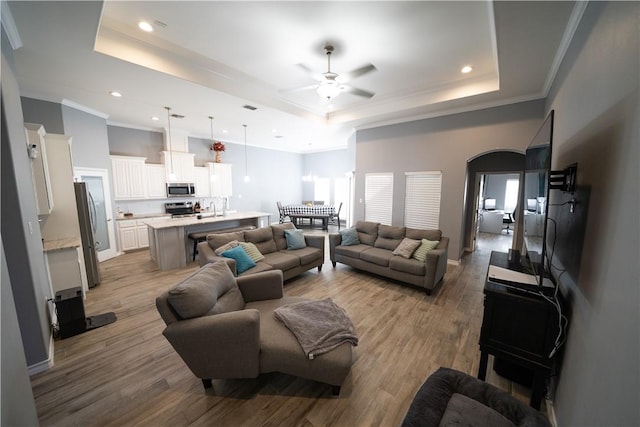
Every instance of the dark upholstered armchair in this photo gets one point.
(453, 398)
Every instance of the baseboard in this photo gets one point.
(454, 262)
(45, 365)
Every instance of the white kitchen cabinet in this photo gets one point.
(182, 165)
(221, 178)
(40, 168)
(142, 234)
(129, 177)
(128, 235)
(156, 181)
(203, 181)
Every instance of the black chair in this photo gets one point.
(334, 219)
(507, 219)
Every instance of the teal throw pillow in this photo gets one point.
(349, 237)
(243, 261)
(295, 239)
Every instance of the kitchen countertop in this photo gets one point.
(144, 216)
(207, 217)
(54, 245)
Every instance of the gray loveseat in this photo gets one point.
(272, 243)
(374, 254)
(224, 327)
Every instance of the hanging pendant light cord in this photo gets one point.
(246, 175)
(211, 118)
(170, 147)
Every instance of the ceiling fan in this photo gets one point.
(332, 84)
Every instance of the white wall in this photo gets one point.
(595, 98)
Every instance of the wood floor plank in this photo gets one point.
(127, 374)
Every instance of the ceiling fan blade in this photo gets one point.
(298, 89)
(357, 72)
(314, 74)
(358, 92)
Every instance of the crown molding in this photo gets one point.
(9, 26)
(567, 37)
(84, 108)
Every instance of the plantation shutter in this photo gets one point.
(422, 200)
(378, 197)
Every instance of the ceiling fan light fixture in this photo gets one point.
(329, 89)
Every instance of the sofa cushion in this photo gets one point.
(417, 234)
(216, 240)
(295, 239)
(306, 255)
(210, 290)
(411, 265)
(351, 251)
(389, 237)
(278, 234)
(243, 261)
(349, 237)
(406, 247)
(367, 232)
(377, 256)
(252, 251)
(262, 238)
(464, 411)
(259, 268)
(229, 245)
(425, 246)
(282, 260)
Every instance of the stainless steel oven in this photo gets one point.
(181, 189)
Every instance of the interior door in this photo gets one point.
(97, 181)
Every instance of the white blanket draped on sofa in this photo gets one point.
(320, 326)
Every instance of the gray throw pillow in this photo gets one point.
(349, 237)
(464, 411)
(406, 247)
(232, 244)
(196, 295)
(295, 239)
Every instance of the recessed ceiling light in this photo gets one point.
(224, 131)
(274, 130)
(115, 93)
(154, 118)
(466, 69)
(145, 26)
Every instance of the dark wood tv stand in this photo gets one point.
(520, 327)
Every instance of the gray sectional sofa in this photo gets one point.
(374, 254)
(272, 243)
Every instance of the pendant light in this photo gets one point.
(246, 173)
(172, 175)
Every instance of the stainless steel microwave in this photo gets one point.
(181, 189)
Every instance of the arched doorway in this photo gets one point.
(490, 176)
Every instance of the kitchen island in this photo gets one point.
(168, 242)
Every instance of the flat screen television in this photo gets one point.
(536, 187)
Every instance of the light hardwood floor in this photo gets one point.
(126, 373)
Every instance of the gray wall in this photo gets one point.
(26, 285)
(134, 142)
(90, 142)
(444, 144)
(595, 98)
(48, 114)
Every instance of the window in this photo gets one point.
(322, 190)
(378, 197)
(422, 200)
(511, 195)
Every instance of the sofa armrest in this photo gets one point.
(334, 240)
(436, 263)
(261, 286)
(315, 241)
(211, 347)
(207, 255)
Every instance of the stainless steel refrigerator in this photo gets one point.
(87, 219)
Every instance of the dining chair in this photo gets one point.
(334, 219)
(281, 213)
